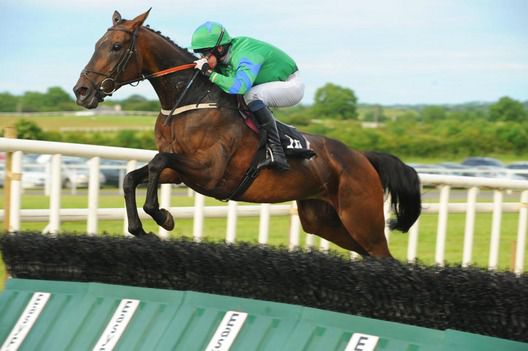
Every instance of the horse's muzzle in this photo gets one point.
(86, 96)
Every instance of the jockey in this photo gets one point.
(264, 74)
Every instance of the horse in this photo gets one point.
(207, 146)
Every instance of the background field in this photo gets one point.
(60, 122)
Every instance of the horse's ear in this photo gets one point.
(139, 20)
(116, 18)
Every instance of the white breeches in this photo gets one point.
(278, 93)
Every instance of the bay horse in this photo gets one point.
(339, 192)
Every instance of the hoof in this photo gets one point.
(168, 224)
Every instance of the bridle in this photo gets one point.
(110, 84)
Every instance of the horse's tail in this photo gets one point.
(403, 184)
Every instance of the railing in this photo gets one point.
(470, 208)
(93, 214)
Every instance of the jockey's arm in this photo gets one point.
(243, 77)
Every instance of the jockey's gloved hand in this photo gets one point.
(203, 66)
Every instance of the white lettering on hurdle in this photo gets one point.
(362, 342)
(227, 331)
(117, 325)
(26, 321)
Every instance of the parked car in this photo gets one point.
(74, 170)
(484, 167)
(423, 168)
(33, 176)
(519, 168)
(482, 161)
(114, 171)
(453, 168)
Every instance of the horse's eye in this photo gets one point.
(116, 47)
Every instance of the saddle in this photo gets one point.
(295, 145)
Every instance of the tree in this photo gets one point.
(59, 100)
(433, 113)
(335, 102)
(507, 109)
(28, 130)
(8, 102)
(32, 101)
(139, 103)
(55, 99)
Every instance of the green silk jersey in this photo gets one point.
(251, 62)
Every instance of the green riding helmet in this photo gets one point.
(206, 36)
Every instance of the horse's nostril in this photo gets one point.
(82, 91)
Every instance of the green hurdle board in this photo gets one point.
(56, 315)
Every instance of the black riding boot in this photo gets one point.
(267, 122)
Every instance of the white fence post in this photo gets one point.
(495, 230)
(16, 190)
(521, 234)
(55, 194)
(310, 238)
(199, 201)
(295, 227)
(93, 195)
(264, 223)
(470, 226)
(231, 222)
(165, 197)
(412, 244)
(442, 225)
(324, 245)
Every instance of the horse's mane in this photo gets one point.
(168, 39)
(212, 89)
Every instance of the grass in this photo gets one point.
(247, 228)
(56, 122)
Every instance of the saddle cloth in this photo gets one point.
(295, 144)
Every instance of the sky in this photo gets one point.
(386, 51)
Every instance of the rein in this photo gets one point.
(160, 73)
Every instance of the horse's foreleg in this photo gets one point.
(151, 206)
(131, 181)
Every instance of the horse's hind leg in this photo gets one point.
(130, 183)
(162, 217)
(320, 218)
(361, 212)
